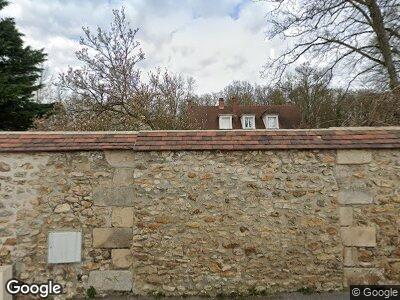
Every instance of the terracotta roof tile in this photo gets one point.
(337, 138)
(207, 117)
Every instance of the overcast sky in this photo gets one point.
(214, 41)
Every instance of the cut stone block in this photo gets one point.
(111, 280)
(353, 157)
(121, 258)
(358, 236)
(123, 177)
(122, 217)
(346, 216)
(121, 196)
(120, 158)
(363, 276)
(347, 197)
(349, 256)
(6, 273)
(112, 237)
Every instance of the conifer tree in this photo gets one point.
(20, 69)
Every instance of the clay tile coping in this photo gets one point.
(332, 138)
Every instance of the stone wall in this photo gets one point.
(369, 199)
(205, 222)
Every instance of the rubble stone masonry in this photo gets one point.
(204, 222)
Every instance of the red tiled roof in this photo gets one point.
(339, 138)
(207, 117)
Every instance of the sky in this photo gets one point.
(213, 41)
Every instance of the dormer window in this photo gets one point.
(248, 122)
(271, 121)
(225, 122)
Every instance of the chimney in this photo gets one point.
(234, 105)
(221, 103)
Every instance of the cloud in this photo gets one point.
(215, 42)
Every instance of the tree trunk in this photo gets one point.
(383, 42)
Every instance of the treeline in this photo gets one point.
(110, 92)
(321, 104)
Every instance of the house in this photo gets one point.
(248, 117)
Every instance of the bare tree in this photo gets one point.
(108, 91)
(368, 108)
(168, 96)
(109, 76)
(165, 98)
(49, 92)
(361, 35)
(243, 91)
(309, 89)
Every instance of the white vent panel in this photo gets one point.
(64, 247)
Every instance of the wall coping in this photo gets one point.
(203, 140)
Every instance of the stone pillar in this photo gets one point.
(354, 237)
(119, 196)
(5, 275)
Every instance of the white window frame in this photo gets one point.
(266, 117)
(225, 117)
(243, 119)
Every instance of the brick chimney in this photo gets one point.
(234, 105)
(221, 103)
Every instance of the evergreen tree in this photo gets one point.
(19, 73)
